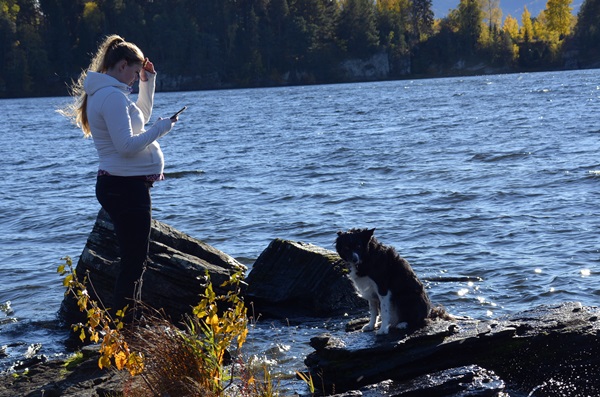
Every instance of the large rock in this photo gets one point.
(554, 351)
(377, 67)
(174, 276)
(467, 381)
(294, 279)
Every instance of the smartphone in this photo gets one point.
(178, 113)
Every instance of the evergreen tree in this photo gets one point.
(393, 26)
(32, 45)
(357, 28)
(392, 21)
(8, 44)
(470, 20)
(325, 52)
(442, 49)
(217, 31)
(210, 43)
(421, 19)
(305, 33)
(60, 26)
(275, 37)
(505, 51)
(89, 29)
(587, 32)
(246, 54)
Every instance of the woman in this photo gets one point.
(130, 156)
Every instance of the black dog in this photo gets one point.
(386, 280)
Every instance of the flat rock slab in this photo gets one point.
(549, 349)
(468, 381)
(54, 379)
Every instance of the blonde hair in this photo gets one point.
(111, 51)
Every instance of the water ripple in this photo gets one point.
(491, 177)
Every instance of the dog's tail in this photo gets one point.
(440, 313)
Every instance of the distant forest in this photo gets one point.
(208, 44)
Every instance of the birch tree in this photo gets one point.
(559, 16)
(511, 26)
(492, 13)
(526, 26)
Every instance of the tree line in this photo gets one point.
(200, 44)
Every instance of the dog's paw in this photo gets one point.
(383, 331)
(368, 328)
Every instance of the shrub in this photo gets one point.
(165, 360)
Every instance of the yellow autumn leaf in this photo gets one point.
(107, 349)
(121, 313)
(93, 318)
(214, 319)
(135, 364)
(242, 338)
(200, 313)
(67, 280)
(120, 360)
(82, 302)
(103, 362)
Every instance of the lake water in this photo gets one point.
(496, 177)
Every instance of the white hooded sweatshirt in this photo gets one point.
(124, 147)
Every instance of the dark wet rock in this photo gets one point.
(556, 348)
(294, 279)
(53, 379)
(31, 357)
(467, 381)
(174, 276)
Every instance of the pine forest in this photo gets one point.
(212, 44)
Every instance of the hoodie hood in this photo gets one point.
(95, 81)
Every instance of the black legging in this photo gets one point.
(127, 201)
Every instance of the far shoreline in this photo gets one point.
(467, 71)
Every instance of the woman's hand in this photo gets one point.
(147, 68)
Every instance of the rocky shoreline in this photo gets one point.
(546, 351)
(54, 378)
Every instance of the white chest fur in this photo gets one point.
(380, 306)
(365, 286)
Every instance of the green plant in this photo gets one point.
(265, 387)
(211, 335)
(73, 361)
(307, 378)
(100, 325)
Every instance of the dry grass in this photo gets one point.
(164, 360)
(172, 366)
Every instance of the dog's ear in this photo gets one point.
(370, 232)
(339, 233)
